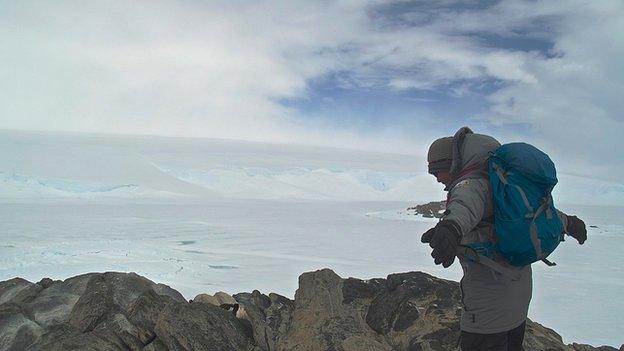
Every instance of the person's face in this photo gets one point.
(443, 177)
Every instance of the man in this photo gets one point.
(495, 305)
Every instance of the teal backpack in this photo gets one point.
(525, 219)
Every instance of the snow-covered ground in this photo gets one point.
(205, 216)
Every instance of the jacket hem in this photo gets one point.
(492, 331)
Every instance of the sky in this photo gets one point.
(378, 75)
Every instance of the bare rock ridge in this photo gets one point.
(434, 209)
(124, 311)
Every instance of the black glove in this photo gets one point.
(576, 229)
(443, 239)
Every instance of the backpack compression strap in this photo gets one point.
(472, 255)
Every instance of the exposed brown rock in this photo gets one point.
(124, 311)
(430, 209)
(199, 326)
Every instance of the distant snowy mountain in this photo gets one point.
(573, 189)
(305, 183)
(66, 165)
(75, 165)
(25, 186)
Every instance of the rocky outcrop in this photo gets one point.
(430, 210)
(112, 311)
(124, 311)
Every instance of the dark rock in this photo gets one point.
(279, 316)
(359, 289)
(111, 293)
(182, 326)
(406, 316)
(144, 311)
(322, 322)
(47, 282)
(78, 284)
(108, 311)
(419, 283)
(93, 306)
(123, 311)
(155, 345)
(166, 290)
(53, 305)
(17, 331)
(127, 287)
(584, 347)
(270, 316)
(18, 291)
(65, 338)
(382, 312)
(538, 337)
(445, 338)
(397, 308)
(429, 210)
(121, 333)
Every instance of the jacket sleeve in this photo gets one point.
(564, 220)
(465, 205)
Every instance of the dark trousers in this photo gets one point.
(506, 341)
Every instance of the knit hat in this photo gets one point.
(440, 155)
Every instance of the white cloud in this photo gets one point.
(574, 107)
(219, 68)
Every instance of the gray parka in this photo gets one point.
(492, 302)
